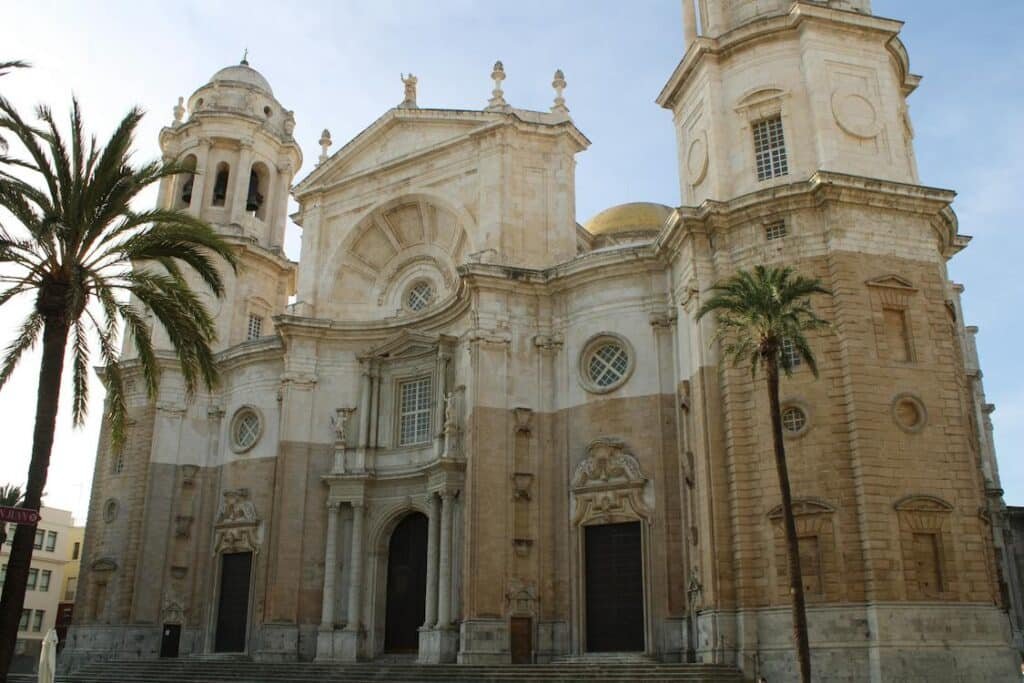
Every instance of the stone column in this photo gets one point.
(689, 22)
(202, 177)
(432, 547)
(330, 567)
(364, 418)
(374, 405)
(241, 189)
(441, 373)
(355, 589)
(170, 187)
(444, 595)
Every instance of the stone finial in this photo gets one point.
(245, 57)
(497, 100)
(179, 111)
(325, 142)
(410, 82)
(559, 85)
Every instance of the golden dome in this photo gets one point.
(632, 217)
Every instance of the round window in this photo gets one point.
(420, 296)
(245, 430)
(909, 413)
(606, 363)
(794, 419)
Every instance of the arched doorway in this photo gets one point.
(406, 585)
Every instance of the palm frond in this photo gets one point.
(25, 340)
(759, 310)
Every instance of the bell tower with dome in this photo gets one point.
(238, 139)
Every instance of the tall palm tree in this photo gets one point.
(758, 313)
(10, 495)
(91, 262)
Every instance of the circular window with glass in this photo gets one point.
(419, 296)
(606, 363)
(246, 428)
(794, 420)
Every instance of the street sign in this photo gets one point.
(19, 515)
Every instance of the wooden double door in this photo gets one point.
(614, 583)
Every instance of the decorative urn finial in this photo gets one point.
(559, 85)
(325, 142)
(497, 101)
(179, 111)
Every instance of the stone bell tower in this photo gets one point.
(795, 149)
(788, 88)
(238, 139)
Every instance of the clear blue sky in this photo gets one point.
(337, 65)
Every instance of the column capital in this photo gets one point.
(333, 505)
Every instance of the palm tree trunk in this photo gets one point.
(796, 582)
(55, 336)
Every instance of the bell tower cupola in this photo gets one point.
(237, 138)
(770, 92)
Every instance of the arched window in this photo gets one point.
(186, 181)
(220, 184)
(255, 201)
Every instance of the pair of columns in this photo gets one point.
(438, 608)
(438, 611)
(331, 563)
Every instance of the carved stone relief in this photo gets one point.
(608, 485)
(237, 528)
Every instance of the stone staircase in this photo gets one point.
(582, 669)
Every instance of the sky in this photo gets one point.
(337, 65)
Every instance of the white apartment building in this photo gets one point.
(52, 579)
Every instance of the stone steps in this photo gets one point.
(212, 671)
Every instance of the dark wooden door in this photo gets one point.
(522, 640)
(614, 588)
(170, 640)
(233, 606)
(407, 584)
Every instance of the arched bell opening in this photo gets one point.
(185, 183)
(256, 198)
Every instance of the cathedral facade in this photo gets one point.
(468, 428)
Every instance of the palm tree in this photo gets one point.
(90, 262)
(10, 496)
(758, 314)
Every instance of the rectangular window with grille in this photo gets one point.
(26, 614)
(44, 580)
(790, 354)
(51, 540)
(414, 411)
(770, 149)
(39, 539)
(37, 621)
(255, 327)
(117, 462)
(33, 577)
(775, 230)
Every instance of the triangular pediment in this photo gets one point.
(407, 344)
(892, 282)
(400, 134)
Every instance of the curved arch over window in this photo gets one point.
(259, 181)
(220, 184)
(185, 183)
